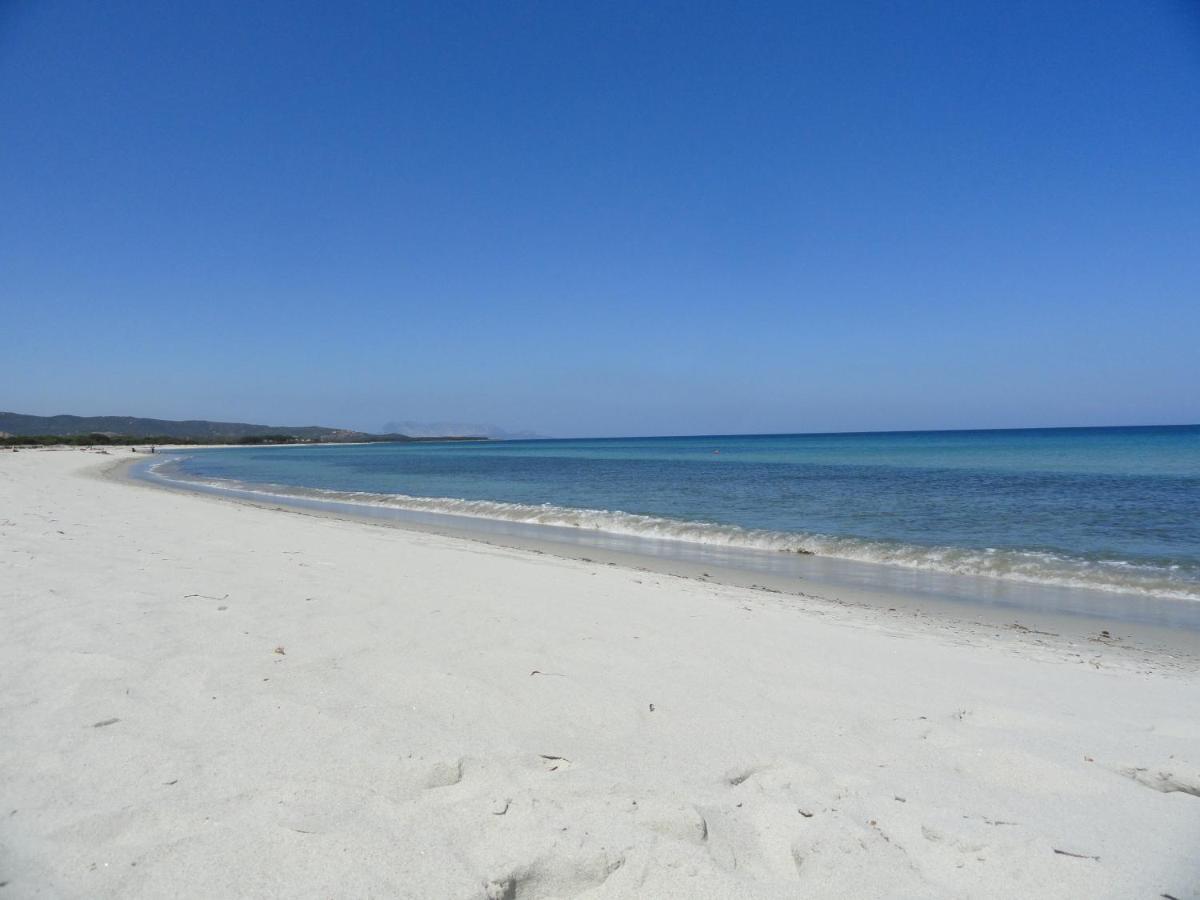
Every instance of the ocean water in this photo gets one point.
(1114, 509)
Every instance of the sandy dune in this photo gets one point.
(205, 699)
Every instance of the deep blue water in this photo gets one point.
(1115, 508)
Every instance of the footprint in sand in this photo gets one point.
(444, 774)
(1167, 781)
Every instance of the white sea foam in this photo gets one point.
(1017, 565)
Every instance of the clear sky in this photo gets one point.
(608, 218)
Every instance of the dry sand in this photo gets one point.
(206, 699)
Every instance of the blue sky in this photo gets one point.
(603, 219)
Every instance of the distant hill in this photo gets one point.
(20, 425)
(429, 429)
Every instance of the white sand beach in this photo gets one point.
(203, 699)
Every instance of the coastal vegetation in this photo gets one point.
(99, 439)
(17, 429)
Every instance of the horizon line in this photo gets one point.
(630, 437)
(618, 437)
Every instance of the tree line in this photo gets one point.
(98, 439)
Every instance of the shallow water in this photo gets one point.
(1113, 509)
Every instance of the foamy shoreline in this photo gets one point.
(449, 718)
(1156, 619)
(1011, 566)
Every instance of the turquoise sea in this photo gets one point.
(1115, 509)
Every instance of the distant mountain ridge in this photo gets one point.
(429, 429)
(21, 425)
